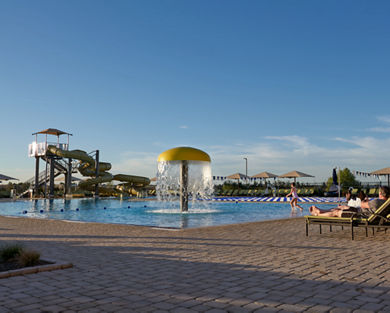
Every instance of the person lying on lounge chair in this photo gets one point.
(353, 204)
(369, 207)
(366, 208)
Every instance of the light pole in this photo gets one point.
(339, 184)
(246, 169)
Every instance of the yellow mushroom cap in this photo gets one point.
(184, 154)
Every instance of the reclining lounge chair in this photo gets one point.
(379, 219)
(355, 191)
(372, 192)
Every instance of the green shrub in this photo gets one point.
(10, 252)
(28, 258)
(4, 194)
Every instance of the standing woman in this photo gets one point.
(294, 200)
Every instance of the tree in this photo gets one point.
(347, 179)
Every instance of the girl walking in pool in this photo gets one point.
(294, 195)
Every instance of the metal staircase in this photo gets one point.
(60, 167)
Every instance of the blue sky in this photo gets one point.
(291, 85)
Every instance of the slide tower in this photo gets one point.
(60, 160)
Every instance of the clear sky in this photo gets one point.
(291, 85)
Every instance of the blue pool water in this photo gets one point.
(150, 213)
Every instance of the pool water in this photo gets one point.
(151, 213)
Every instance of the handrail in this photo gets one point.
(40, 148)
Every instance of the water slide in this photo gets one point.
(87, 167)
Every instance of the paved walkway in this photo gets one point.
(254, 267)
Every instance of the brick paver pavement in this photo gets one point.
(253, 267)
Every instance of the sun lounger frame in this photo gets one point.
(380, 220)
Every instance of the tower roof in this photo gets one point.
(52, 131)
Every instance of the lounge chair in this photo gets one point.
(283, 192)
(379, 219)
(228, 193)
(259, 192)
(219, 193)
(310, 192)
(373, 192)
(235, 193)
(354, 191)
(304, 192)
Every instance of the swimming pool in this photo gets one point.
(150, 213)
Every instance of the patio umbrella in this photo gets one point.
(237, 176)
(335, 185)
(334, 177)
(5, 177)
(384, 171)
(295, 175)
(265, 175)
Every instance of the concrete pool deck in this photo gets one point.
(254, 267)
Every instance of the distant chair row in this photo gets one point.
(263, 192)
(302, 192)
(370, 192)
(245, 192)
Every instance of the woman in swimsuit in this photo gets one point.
(294, 200)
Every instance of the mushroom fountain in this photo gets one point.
(184, 173)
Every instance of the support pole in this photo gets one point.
(51, 177)
(36, 176)
(184, 186)
(46, 163)
(68, 184)
(97, 173)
